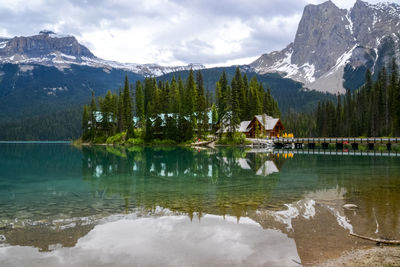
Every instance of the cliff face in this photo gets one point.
(45, 43)
(332, 44)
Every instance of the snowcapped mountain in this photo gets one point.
(333, 47)
(62, 51)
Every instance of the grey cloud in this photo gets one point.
(182, 39)
(246, 9)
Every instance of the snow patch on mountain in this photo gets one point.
(63, 61)
(26, 68)
(350, 25)
(3, 44)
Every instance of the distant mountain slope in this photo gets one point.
(333, 47)
(30, 90)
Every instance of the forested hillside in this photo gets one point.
(289, 94)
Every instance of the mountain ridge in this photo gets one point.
(61, 51)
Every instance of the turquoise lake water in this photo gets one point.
(265, 208)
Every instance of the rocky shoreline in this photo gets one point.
(378, 256)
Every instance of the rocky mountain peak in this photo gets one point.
(323, 30)
(330, 39)
(44, 44)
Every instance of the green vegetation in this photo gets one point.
(236, 139)
(176, 112)
(372, 110)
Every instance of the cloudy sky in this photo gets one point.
(167, 32)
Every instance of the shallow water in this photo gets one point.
(180, 205)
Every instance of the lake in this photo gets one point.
(175, 206)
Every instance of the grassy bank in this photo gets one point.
(237, 139)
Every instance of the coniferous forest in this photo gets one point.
(174, 110)
(372, 111)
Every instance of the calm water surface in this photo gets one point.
(67, 206)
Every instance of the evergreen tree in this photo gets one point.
(339, 117)
(222, 95)
(181, 89)
(201, 110)
(393, 98)
(214, 115)
(139, 99)
(175, 98)
(85, 122)
(235, 104)
(190, 95)
(127, 106)
(120, 113)
(93, 113)
(246, 110)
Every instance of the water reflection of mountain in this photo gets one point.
(226, 181)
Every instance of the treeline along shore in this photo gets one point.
(181, 111)
(175, 112)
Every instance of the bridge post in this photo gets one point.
(371, 146)
(389, 146)
(325, 145)
(311, 145)
(298, 145)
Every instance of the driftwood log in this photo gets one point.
(382, 241)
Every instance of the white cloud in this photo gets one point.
(167, 32)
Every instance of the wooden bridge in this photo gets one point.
(338, 141)
(335, 152)
(260, 142)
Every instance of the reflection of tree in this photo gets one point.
(180, 179)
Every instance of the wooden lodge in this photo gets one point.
(262, 125)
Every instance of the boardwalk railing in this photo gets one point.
(336, 140)
(335, 152)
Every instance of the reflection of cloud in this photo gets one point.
(167, 241)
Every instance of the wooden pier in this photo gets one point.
(339, 142)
